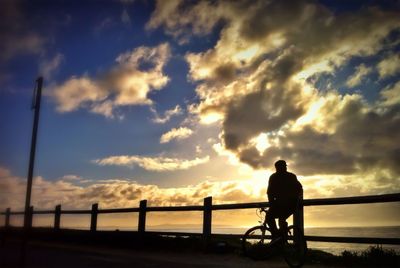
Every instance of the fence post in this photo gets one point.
(30, 217)
(142, 217)
(207, 218)
(93, 220)
(57, 216)
(8, 213)
(298, 216)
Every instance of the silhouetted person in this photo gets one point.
(283, 193)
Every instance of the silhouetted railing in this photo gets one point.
(207, 208)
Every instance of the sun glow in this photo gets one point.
(262, 142)
(210, 118)
(322, 66)
(203, 72)
(247, 54)
(312, 113)
(277, 39)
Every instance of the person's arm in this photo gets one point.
(298, 186)
(271, 189)
(299, 189)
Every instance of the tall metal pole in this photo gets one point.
(36, 107)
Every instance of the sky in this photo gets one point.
(174, 101)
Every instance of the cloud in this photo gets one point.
(105, 108)
(125, 18)
(16, 35)
(180, 19)
(389, 66)
(360, 73)
(245, 67)
(104, 25)
(257, 82)
(135, 74)
(176, 134)
(262, 111)
(177, 110)
(161, 13)
(48, 67)
(71, 177)
(69, 192)
(45, 194)
(20, 44)
(123, 193)
(158, 164)
(358, 138)
(17, 38)
(391, 95)
(78, 91)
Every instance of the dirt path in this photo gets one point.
(65, 255)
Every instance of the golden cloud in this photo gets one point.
(74, 192)
(158, 164)
(177, 110)
(391, 94)
(127, 83)
(76, 91)
(389, 66)
(176, 134)
(360, 73)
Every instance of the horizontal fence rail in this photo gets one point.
(353, 200)
(207, 209)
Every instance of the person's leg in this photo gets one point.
(270, 219)
(284, 214)
(283, 225)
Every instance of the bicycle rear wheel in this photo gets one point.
(295, 247)
(255, 242)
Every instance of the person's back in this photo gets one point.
(283, 187)
(283, 193)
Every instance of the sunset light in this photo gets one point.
(175, 101)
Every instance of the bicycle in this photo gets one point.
(257, 244)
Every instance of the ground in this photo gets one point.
(56, 254)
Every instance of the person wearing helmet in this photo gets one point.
(283, 193)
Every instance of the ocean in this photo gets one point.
(337, 248)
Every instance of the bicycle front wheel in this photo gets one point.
(255, 242)
(295, 247)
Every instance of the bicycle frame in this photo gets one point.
(292, 246)
(282, 229)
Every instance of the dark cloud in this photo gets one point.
(225, 72)
(15, 34)
(262, 111)
(363, 140)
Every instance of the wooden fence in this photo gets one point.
(207, 208)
